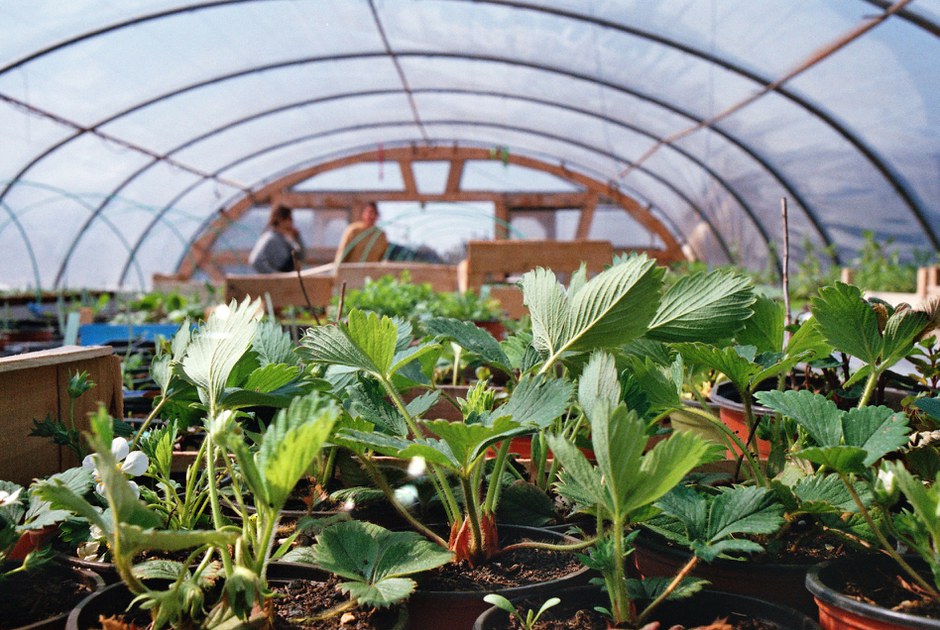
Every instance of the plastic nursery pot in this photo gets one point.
(457, 610)
(115, 598)
(701, 609)
(92, 581)
(731, 413)
(778, 583)
(31, 540)
(838, 611)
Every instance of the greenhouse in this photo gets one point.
(343, 313)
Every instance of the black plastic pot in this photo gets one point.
(839, 611)
(701, 609)
(92, 580)
(779, 583)
(116, 598)
(457, 610)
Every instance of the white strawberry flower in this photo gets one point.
(132, 464)
(9, 498)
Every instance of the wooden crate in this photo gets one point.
(35, 384)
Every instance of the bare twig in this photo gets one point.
(300, 280)
(786, 271)
(342, 298)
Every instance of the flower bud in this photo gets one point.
(886, 487)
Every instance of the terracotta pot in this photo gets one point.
(838, 611)
(779, 583)
(703, 608)
(90, 579)
(494, 327)
(731, 413)
(457, 610)
(31, 540)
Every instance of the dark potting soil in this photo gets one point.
(40, 594)
(593, 620)
(518, 567)
(887, 589)
(299, 601)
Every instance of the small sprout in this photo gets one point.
(79, 383)
(531, 617)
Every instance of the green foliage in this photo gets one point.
(879, 268)
(846, 441)
(530, 618)
(716, 525)
(374, 561)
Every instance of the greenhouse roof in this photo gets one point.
(128, 126)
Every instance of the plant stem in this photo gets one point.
(870, 385)
(214, 498)
(146, 424)
(669, 589)
(528, 544)
(379, 479)
(732, 437)
(619, 598)
(472, 515)
(494, 488)
(885, 544)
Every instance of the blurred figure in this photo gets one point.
(363, 241)
(278, 244)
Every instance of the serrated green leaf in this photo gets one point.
(930, 406)
(878, 430)
(824, 493)
(808, 341)
(650, 588)
(736, 368)
(159, 570)
(615, 306)
(139, 538)
(818, 415)
(369, 556)
(764, 330)
(743, 510)
(467, 442)
(535, 402)
(599, 382)
(381, 594)
(218, 345)
(848, 322)
(701, 306)
(548, 308)
(367, 400)
(273, 345)
(727, 548)
(845, 459)
(524, 503)
(271, 377)
(578, 481)
(901, 329)
(291, 442)
(420, 405)
(470, 337)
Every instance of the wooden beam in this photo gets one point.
(408, 175)
(347, 199)
(454, 175)
(501, 219)
(587, 215)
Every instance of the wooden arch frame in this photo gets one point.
(200, 255)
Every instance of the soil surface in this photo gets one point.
(40, 594)
(887, 589)
(513, 568)
(300, 601)
(593, 620)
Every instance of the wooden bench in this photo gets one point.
(441, 277)
(283, 288)
(497, 262)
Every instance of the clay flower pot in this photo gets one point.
(731, 413)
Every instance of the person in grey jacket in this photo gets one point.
(273, 251)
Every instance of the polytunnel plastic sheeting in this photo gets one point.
(135, 123)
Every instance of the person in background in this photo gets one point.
(363, 241)
(278, 245)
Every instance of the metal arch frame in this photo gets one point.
(910, 16)
(876, 161)
(908, 196)
(296, 173)
(699, 163)
(541, 68)
(300, 175)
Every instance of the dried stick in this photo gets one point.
(786, 271)
(303, 289)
